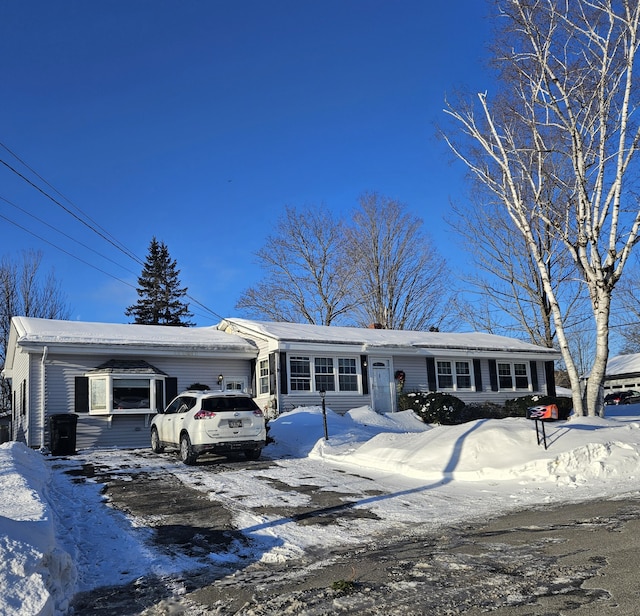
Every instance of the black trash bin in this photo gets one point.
(62, 434)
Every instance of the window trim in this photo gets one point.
(263, 377)
(513, 376)
(454, 375)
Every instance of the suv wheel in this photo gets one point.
(187, 454)
(156, 447)
(252, 454)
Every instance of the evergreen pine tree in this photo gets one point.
(160, 295)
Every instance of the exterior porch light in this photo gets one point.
(220, 380)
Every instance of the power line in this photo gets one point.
(42, 239)
(44, 222)
(94, 226)
(66, 209)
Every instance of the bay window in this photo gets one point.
(112, 393)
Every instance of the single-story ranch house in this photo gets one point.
(357, 366)
(114, 377)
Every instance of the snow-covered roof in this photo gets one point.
(623, 364)
(384, 338)
(30, 332)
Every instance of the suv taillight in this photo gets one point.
(258, 412)
(204, 415)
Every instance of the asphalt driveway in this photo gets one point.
(579, 558)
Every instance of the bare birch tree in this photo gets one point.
(305, 278)
(568, 85)
(401, 281)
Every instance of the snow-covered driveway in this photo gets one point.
(375, 480)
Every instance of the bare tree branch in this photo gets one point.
(568, 80)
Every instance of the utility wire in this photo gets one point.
(66, 209)
(24, 211)
(94, 226)
(42, 239)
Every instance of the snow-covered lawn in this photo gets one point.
(58, 537)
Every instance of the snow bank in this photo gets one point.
(37, 577)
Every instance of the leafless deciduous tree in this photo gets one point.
(571, 132)
(24, 291)
(377, 268)
(505, 294)
(305, 278)
(401, 281)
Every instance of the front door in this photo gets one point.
(383, 386)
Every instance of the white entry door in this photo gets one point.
(383, 386)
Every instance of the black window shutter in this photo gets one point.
(493, 374)
(81, 398)
(284, 387)
(171, 387)
(365, 374)
(477, 374)
(431, 374)
(549, 371)
(272, 373)
(533, 365)
(159, 396)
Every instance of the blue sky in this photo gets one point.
(198, 121)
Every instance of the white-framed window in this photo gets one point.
(235, 383)
(347, 374)
(513, 375)
(125, 393)
(454, 375)
(325, 379)
(300, 373)
(263, 376)
(323, 373)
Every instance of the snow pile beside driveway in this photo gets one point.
(59, 538)
(580, 450)
(36, 575)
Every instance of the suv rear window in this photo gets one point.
(228, 404)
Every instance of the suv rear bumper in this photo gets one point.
(229, 446)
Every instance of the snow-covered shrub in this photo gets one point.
(433, 407)
(484, 410)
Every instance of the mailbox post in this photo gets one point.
(323, 393)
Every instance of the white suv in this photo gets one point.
(209, 421)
